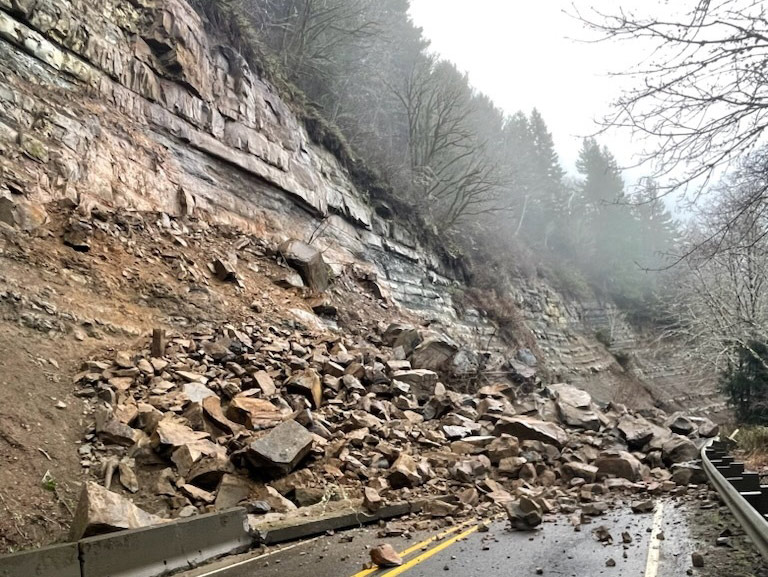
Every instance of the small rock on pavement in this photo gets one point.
(610, 563)
(644, 506)
(697, 559)
(524, 514)
(384, 555)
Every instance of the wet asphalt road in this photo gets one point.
(556, 549)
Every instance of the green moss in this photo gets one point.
(33, 148)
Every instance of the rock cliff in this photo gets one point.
(134, 105)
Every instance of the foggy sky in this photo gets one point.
(527, 54)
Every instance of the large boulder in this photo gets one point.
(524, 514)
(570, 395)
(707, 428)
(102, 511)
(435, 352)
(526, 429)
(678, 449)
(637, 431)
(686, 473)
(308, 261)
(404, 472)
(582, 470)
(680, 424)
(578, 418)
(281, 450)
(618, 464)
(402, 335)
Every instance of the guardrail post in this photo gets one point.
(750, 517)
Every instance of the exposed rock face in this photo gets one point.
(208, 136)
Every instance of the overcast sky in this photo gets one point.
(526, 54)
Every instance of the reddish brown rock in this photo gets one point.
(384, 555)
(255, 414)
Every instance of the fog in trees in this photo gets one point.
(490, 183)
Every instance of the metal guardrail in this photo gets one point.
(748, 515)
(148, 552)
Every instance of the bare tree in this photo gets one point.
(720, 298)
(453, 174)
(307, 34)
(700, 95)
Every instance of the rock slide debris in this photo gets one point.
(277, 418)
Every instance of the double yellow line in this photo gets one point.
(428, 553)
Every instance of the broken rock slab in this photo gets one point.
(404, 472)
(578, 418)
(254, 414)
(372, 501)
(102, 511)
(307, 383)
(434, 352)
(279, 452)
(170, 435)
(232, 490)
(527, 429)
(571, 395)
(308, 261)
(636, 431)
(402, 335)
(680, 424)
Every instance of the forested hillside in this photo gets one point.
(490, 183)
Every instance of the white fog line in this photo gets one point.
(254, 559)
(654, 547)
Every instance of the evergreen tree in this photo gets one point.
(745, 382)
(549, 191)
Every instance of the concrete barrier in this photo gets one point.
(53, 561)
(158, 550)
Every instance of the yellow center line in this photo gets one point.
(424, 556)
(654, 547)
(426, 542)
(418, 546)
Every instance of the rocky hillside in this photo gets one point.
(148, 179)
(133, 105)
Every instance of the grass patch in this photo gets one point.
(751, 439)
